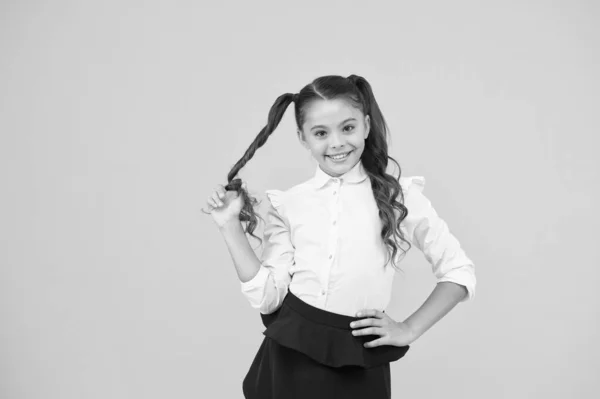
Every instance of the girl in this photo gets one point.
(331, 251)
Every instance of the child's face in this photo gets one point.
(334, 127)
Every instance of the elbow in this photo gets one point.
(268, 307)
(268, 298)
(269, 303)
(463, 276)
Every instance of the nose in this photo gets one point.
(336, 140)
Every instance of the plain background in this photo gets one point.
(117, 120)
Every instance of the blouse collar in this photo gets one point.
(355, 175)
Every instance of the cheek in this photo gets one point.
(358, 141)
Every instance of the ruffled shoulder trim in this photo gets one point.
(417, 182)
(275, 197)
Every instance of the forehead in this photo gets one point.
(329, 112)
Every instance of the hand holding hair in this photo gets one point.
(392, 332)
(225, 205)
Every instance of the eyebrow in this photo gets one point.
(323, 126)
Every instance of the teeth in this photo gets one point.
(340, 156)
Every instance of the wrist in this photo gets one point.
(230, 225)
(414, 330)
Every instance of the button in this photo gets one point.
(335, 180)
(330, 256)
(322, 292)
(334, 222)
(334, 192)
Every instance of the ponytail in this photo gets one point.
(247, 214)
(386, 188)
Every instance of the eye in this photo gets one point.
(318, 133)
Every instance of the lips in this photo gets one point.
(341, 153)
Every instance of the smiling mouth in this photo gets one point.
(339, 156)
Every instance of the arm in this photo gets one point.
(454, 271)
(444, 297)
(245, 260)
(264, 283)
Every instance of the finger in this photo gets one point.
(377, 342)
(207, 211)
(370, 313)
(366, 322)
(219, 191)
(215, 198)
(212, 202)
(369, 331)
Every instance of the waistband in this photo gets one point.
(314, 314)
(324, 336)
(319, 315)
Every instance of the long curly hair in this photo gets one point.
(386, 188)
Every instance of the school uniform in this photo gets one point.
(323, 261)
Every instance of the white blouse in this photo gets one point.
(322, 242)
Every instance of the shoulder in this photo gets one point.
(411, 183)
(414, 200)
(281, 199)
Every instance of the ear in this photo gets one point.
(367, 126)
(301, 138)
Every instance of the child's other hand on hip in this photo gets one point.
(391, 332)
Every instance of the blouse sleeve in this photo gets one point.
(429, 232)
(267, 289)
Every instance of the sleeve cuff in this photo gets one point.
(254, 289)
(462, 277)
(257, 282)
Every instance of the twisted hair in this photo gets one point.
(386, 188)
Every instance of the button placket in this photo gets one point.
(335, 212)
(333, 236)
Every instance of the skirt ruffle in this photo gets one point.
(310, 353)
(324, 336)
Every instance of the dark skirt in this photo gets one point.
(310, 353)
